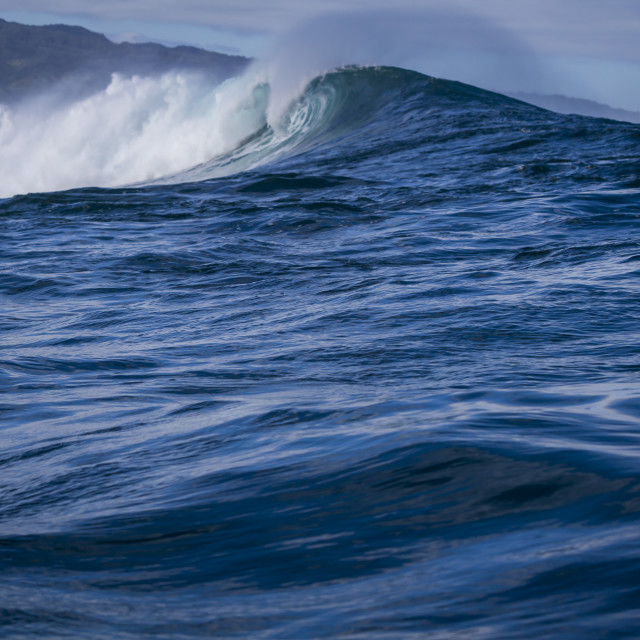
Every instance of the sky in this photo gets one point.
(580, 48)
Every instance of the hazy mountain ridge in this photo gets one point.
(580, 106)
(33, 58)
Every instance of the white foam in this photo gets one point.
(136, 130)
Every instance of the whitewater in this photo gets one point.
(344, 353)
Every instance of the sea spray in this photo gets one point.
(136, 130)
(439, 40)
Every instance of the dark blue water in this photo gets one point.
(384, 385)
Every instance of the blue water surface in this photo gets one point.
(384, 386)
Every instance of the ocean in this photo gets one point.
(365, 365)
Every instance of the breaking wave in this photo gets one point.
(177, 127)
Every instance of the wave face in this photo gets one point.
(358, 362)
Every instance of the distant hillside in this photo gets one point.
(563, 104)
(35, 58)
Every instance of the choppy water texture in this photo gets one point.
(382, 385)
